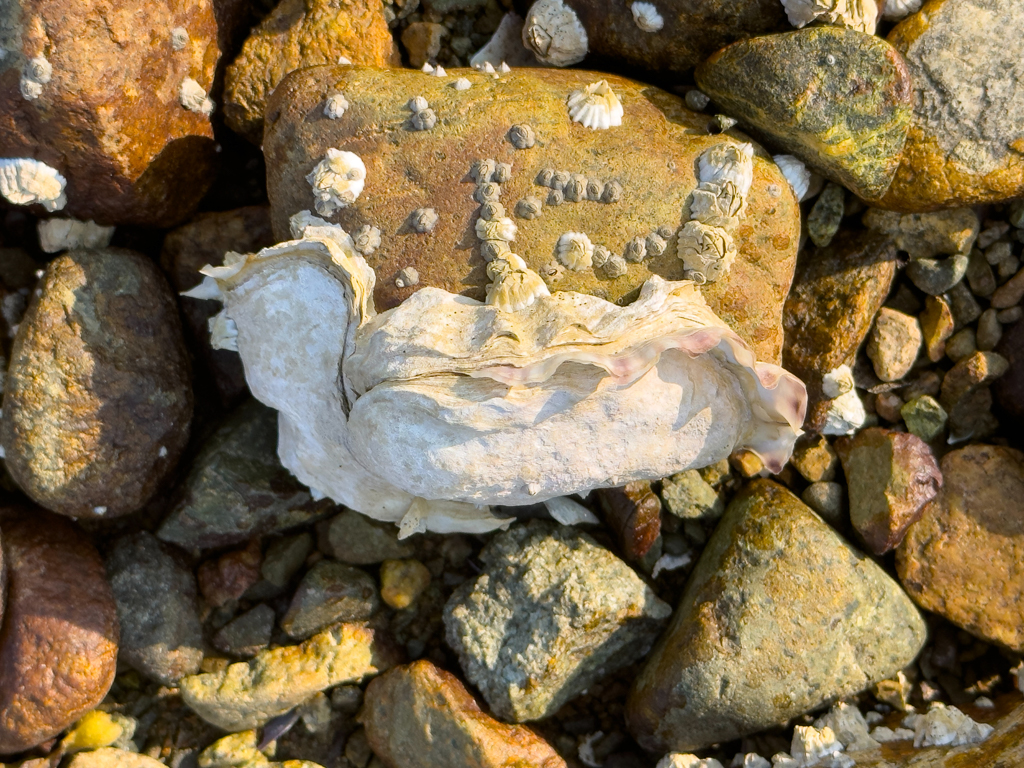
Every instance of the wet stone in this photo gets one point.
(979, 275)
(248, 634)
(552, 613)
(815, 459)
(1008, 390)
(961, 345)
(893, 344)
(633, 512)
(328, 593)
(1010, 293)
(828, 500)
(927, 235)
(816, 107)
(978, 370)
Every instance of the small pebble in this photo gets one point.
(1011, 315)
(980, 276)
(1010, 293)
(990, 234)
(963, 305)
(887, 405)
(747, 463)
(961, 344)
(990, 330)
(893, 344)
(924, 417)
(826, 214)
(696, 100)
(828, 500)
(815, 458)
(402, 581)
(937, 326)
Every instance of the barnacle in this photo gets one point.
(335, 106)
(57, 235)
(560, 179)
(496, 229)
(707, 252)
(193, 98)
(544, 177)
(423, 220)
(462, 84)
(492, 211)
(504, 68)
(24, 181)
(647, 17)
(728, 162)
(635, 250)
(594, 190)
(298, 222)
(716, 204)
(502, 172)
(656, 244)
(846, 413)
(600, 256)
(529, 207)
(424, 120)
(575, 250)
(861, 15)
(615, 266)
(439, 71)
(179, 38)
(554, 33)
(494, 249)
(482, 170)
(417, 104)
(407, 277)
(513, 286)
(595, 106)
(427, 68)
(485, 66)
(796, 173)
(576, 188)
(612, 192)
(487, 192)
(337, 181)
(897, 9)
(522, 136)
(36, 73)
(366, 239)
(555, 197)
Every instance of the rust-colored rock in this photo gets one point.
(109, 116)
(302, 33)
(964, 559)
(229, 576)
(58, 643)
(98, 400)
(652, 155)
(419, 716)
(890, 476)
(633, 512)
(836, 294)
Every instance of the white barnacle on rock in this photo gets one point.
(407, 278)
(494, 249)
(56, 235)
(424, 120)
(575, 189)
(596, 106)
(36, 73)
(179, 38)
(529, 207)
(728, 163)
(814, 746)
(707, 251)
(344, 61)
(575, 251)
(24, 181)
(492, 210)
(502, 173)
(504, 68)
(849, 726)
(448, 399)
(337, 181)
(600, 256)
(439, 71)
(685, 760)
(423, 220)
(502, 228)
(555, 34)
(846, 413)
(335, 106)
(417, 104)
(462, 84)
(656, 244)
(487, 192)
(635, 250)
(427, 68)
(298, 222)
(861, 15)
(366, 239)
(612, 192)
(192, 96)
(646, 16)
(894, 10)
(796, 173)
(484, 66)
(946, 726)
(522, 136)
(482, 171)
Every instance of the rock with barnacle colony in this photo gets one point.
(861, 15)
(595, 106)
(663, 140)
(442, 392)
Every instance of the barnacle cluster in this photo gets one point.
(337, 181)
(335, 106)
(24, 181)
(423, 220)
(179, 38)
(575, 187)
(861, 15)
(423, 117)
(596, 106)
(366, 239)
(36, 73)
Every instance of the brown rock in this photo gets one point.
(964, 559)
(419, 716)
(229, 576)
(893, 344)
(1009, 293)
(633, 512)
(109, 117)
(835, 296)
(814, 458)
(189, 248)
(98, 401)
(58, 644)
(970, 373)
(937, 326)
(653, 156)
(966, 143)
(422, 41)
(890, 476)
(302, 33)
(1009, 388)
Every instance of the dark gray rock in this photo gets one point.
(357, 540)
(328, 593)
(248, 634)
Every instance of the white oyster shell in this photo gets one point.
(646, 16)
(596, 106)
(337, 181)
(446, 405)
(24, 181)
(861, 15)
(553, 31)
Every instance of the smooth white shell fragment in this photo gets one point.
(192, 97)
(646, 16)
(335, 106)
(553, 31)
(337, 181)
(568, 511)
(465, 405)
(596, 106)
(179, 38)
(861, 15)
(57, 235)
(24, 181)
(36, 73)
(796, 173)
(898, 9)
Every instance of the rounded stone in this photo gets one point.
(330, 592)
(894, 343)
(98, 401)
(58, 644)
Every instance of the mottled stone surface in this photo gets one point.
(890, 476)
(893, 344)
(109, 117)
(829, 312)
(966, 141)
(779, 616)
(228, 577)
(58, 644)
(419, 716)
(926, 235)
(652, 155)
(98, 401)
(249, 693)
(964, 559)
(328, 593)
(237, 488)
(837, 98)
(157, 608)
(552, 613)
(109, 757)
(302, 33)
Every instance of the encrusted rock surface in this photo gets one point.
(552, 613)
(837, 98)
(408, 170)
(419, 716)
(963, 558)
(773, 577)
(98, 399)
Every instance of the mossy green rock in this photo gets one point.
(653, 155)
(780, 616)
(837, 98)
